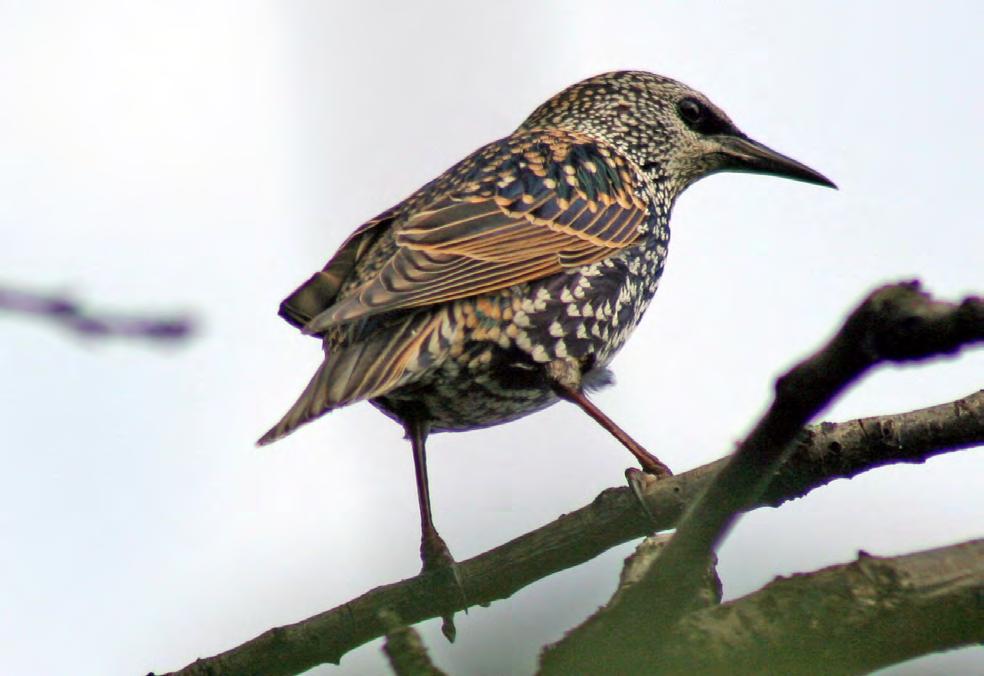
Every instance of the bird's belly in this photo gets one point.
(459, 398)
(493, 367)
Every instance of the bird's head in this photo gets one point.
(674, 133)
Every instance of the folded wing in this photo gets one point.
(533, 205)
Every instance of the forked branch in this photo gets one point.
(824, 453)
(897, 323)
(920, 328)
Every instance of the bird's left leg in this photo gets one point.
(434, 553)
(565, 378)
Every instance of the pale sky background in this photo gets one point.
(208, 156)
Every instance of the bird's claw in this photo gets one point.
(438, 562)
(638, 481)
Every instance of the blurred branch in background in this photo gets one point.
(73, 316)
(406, 652)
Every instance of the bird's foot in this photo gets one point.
(639, 480)
(653, 470)
(437, 560)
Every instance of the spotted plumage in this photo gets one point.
(534, 256)
(546, 228)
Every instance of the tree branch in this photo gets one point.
(851, 618)
(72, 316)
(896, 323)
(646, 555)
(405, 650)
(825, 452)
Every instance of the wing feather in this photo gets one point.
(542, 202)
(320, 290)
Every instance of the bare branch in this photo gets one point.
(896, 323)
(71, 315)
(826, 452)
(404, 648)
(851, 618)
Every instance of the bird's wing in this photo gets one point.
(318, 293)
(533, 205)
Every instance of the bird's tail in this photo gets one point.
(312, 403)
(364, 370)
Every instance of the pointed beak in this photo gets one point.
(744, 154)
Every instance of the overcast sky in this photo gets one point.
(208, 156)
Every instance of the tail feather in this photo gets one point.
(335, 383)
(360, 371)
(312, 403)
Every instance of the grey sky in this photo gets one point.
(209, 156)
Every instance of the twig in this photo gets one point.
(896, 323)
(826, 452)
(404, 648)
(72, 316)
(851, 619)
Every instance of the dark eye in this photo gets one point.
(702, 119)
(691, 111)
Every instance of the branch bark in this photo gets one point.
(896, 323)
(851, 618)
(646, 555)
(824, 453)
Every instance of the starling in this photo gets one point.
(511, 280)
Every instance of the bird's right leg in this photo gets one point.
(564, 376)
(434, 553)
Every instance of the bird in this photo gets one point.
(509, 282)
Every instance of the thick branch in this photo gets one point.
(72, 316)
(850, 619)
(826, 452)
(896, 323)
(646, 555)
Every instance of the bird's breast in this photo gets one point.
(489, 365)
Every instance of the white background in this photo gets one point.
(209, 156)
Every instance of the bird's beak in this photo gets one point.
(744, 154)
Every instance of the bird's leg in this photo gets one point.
(565, 379)
(434, 553)
(649, 462)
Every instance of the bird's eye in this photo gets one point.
(691, 112)
(702, 119)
